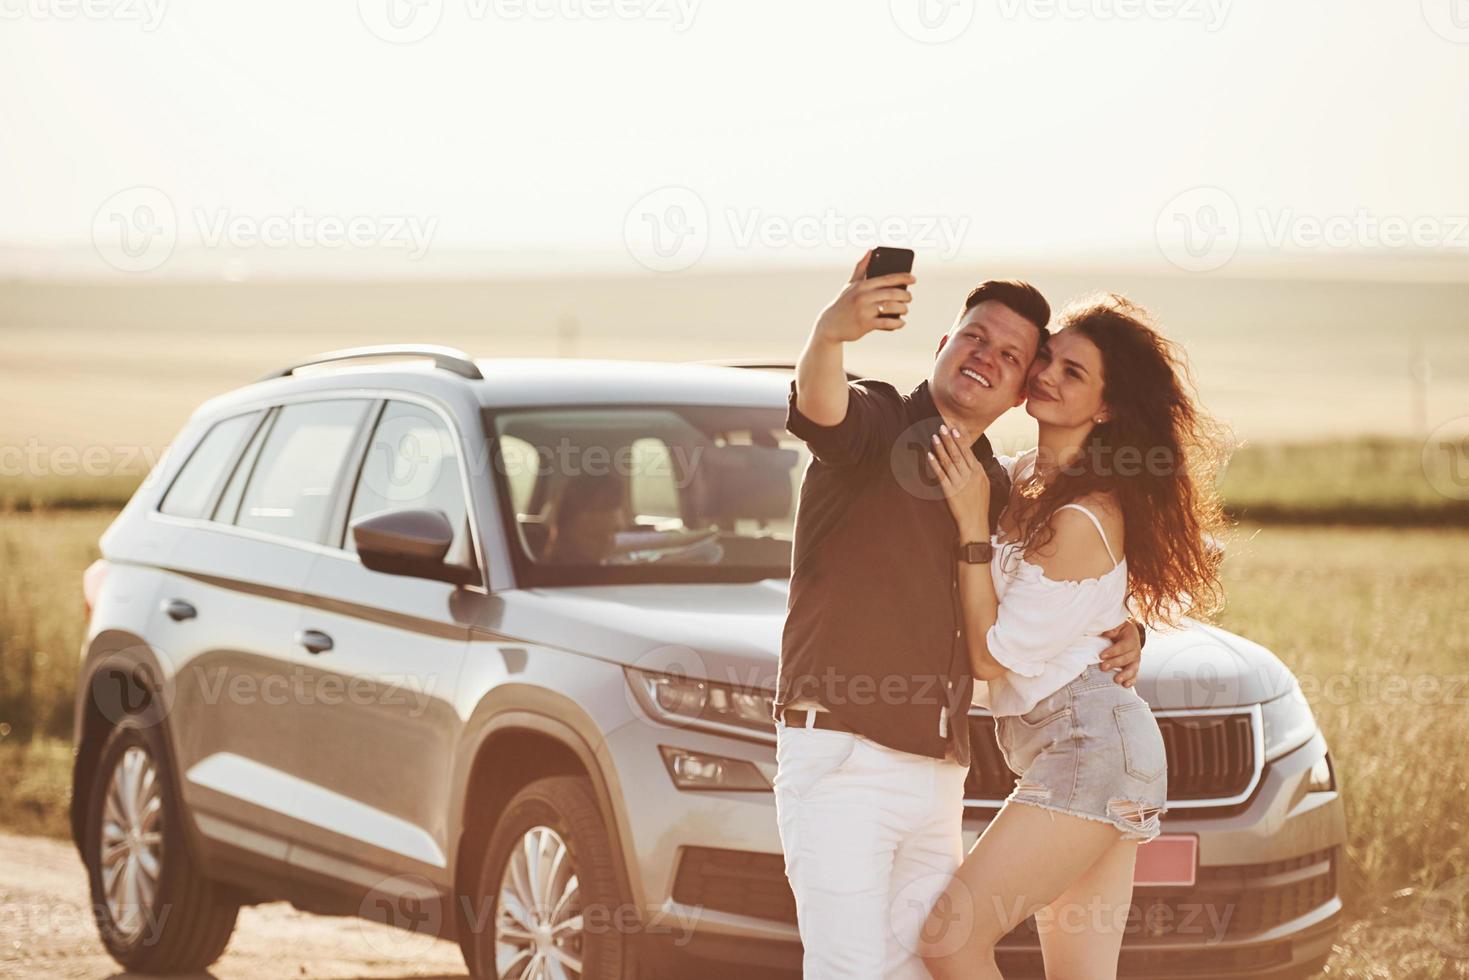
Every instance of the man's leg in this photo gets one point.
(925, 862)
(839, 837)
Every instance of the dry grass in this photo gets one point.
(1372, 622)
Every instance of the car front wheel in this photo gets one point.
(552, 890)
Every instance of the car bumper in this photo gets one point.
(710, 878)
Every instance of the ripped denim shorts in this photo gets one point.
(1093, 750)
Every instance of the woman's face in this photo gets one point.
(1065, 384)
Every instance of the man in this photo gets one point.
(874, 685)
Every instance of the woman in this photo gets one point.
(1111, 515)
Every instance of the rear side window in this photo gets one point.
(412, 462)
(291, 485)
(193, 489)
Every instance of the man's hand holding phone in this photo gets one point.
(868, 304)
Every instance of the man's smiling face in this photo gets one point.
(980, 369)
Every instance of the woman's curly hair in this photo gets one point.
(1158, 455)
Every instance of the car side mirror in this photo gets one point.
(409, 542)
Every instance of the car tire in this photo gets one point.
(554, 823)
(170, 919)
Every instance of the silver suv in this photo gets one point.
(485, 649)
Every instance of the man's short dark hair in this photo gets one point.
(1021, 297)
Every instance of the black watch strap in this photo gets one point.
(976, 552)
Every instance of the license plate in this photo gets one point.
(1170, 859)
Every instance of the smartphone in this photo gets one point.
(887, 260)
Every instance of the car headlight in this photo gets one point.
(685, 701)
(1288, 723)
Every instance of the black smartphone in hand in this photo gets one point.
(887, 260)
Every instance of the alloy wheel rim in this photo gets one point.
(539, 924)
(132, 842)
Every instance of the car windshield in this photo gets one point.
(649, 494)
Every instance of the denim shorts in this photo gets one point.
(1093, 750)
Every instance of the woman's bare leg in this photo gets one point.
(1081, 931)
(1024, 860)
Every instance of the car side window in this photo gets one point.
(228, 507)
(292, 484)
(412, 462)
(193, 488)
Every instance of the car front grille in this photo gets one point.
(1211, 758)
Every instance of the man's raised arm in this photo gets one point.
(821, 379)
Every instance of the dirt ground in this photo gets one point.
(46, 930)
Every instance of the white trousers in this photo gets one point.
(871, 837)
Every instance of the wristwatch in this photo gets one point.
(976, 552)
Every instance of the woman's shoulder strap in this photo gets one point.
(1095, 523)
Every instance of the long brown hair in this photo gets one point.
(1158, 455)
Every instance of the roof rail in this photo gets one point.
(448, 358)
(763, 365)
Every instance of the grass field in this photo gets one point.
(1370, 619)
(1367, 481)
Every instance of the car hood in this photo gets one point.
(731, 633)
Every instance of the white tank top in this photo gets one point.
(1048, 630)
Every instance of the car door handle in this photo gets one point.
(178, 610)
(314, 641)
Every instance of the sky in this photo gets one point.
(401, 136)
